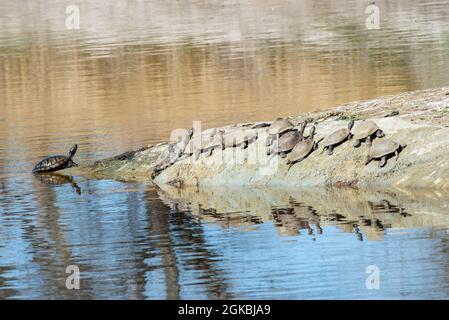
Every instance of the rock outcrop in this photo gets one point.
(419, 119)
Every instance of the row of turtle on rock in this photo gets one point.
(283, 139)
(292, 144)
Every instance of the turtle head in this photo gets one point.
(350, 124)
(73, 150)
(303, 127)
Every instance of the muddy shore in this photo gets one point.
(419, 119)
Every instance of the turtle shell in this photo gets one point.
(197, 143)
(260, 125)
(365, 129)
(215, 142)
(301, 150)
(382, 148)
(52, 163)
(336, 137)
(286, 142)
(279, 126)
(237, 137)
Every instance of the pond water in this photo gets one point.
(134, 71)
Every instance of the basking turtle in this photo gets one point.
(302, 149)
(367, 131)
(209, 147)
(55, 163)
(382, 150)
(285, 143)
(204, 143)
(210, 133)
(239, 138)
(278, 127)
(337, 137)
(258, 125)
(172, 153)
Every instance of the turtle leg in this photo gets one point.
(315, 146)
(282, 154)
(383, 162)
(396, 153)
(330, 150)
(244, 145)
(357, 143)
(368, 141)
(290, 164)
(209, 152)
(368, 160)
(350, 136)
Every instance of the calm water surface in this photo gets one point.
(134, 71)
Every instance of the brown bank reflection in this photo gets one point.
(365, 213)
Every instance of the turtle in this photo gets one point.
(337, 137)
(204, 143)
(172, 153)
(382, 150)
(239, 138)
(197, 141)
(366, 131)
(285, 143)
(55, 163)
(277, 127)
(262, 124)
(302, 149)
(210, 133)
(216, 142)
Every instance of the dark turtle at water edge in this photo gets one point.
(55, 163)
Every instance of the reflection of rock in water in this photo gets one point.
(55, 179)
(366, 214)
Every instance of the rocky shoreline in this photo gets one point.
(419, 119)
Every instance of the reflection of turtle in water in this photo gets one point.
(55, 179)
(55, 163)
